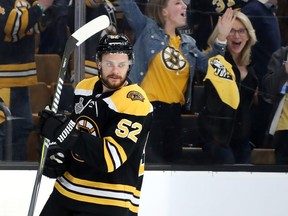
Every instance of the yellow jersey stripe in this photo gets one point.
(108, 158)
(17, 67)
(10, 25)
(116, 151)
(125, 203)
(101, 185)
(24, 23)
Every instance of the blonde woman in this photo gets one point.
(226, 131)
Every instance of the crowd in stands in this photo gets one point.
(235, 49)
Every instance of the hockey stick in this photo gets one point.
(76, 39)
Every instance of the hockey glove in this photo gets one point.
(59, 128)
(55, 161)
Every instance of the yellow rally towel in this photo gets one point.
(222, 77)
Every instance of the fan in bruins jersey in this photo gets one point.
(20, 21)
(98, 155)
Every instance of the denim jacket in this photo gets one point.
(151, 39)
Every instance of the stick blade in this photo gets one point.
(91, 28)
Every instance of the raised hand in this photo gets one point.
(225, 23)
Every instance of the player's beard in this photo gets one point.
(113, 86)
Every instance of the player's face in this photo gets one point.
(175, 13)
(237, 37)
(114, 68)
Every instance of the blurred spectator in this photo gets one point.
(262, 15)
(275, 84)
(60, 23)
(53, 38)
(282, 14)
(123, 25)
(164, 66)
(19, 21)
(204, 16)
(93, 10)
(226, 130)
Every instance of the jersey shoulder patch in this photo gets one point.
(131, 100)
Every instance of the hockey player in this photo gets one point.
(102, 142)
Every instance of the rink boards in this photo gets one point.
(182, 192)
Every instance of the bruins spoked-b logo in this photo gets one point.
(135, 95)
(87, 124)
(173, 59)
(219, 69)
(84, 123)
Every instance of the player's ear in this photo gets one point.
(98, 65)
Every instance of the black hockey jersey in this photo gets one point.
(18, 23)
(105, 168)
